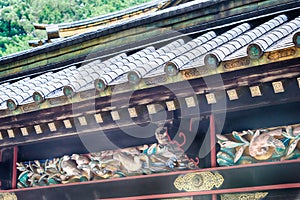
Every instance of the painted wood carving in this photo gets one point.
(163, 156)
(259, 146)
(244, 196)
(8, 196)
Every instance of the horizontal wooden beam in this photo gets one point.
(247, 178)
(65, 120)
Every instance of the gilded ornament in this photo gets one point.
(121, 87)
(244, 196)
(87, 94)
(236, 63)
(198, 181)
(155, 80)
(195, 72)
(281, 53)
(30, 107)
(8, 196)
(58, 100)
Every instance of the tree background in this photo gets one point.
(17, 17)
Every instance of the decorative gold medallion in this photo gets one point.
(278, 87)
(8, 196)
(190, 101)
(87, 94)
(232, 94)
(30, 107)
(58, 100)
(211, 98)
(275, 55)
(155, 80)
(236, 63)
(244, 196)
(132, 112)
(255, 91)
(198, 181)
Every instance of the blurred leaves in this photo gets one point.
(17, 17)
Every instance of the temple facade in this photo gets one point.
(167, 100)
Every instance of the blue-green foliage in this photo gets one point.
(17, 17)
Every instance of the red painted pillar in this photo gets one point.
(213, 155)
(212, 129)
(14, 168)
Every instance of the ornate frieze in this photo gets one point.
(164, 156)
(87, 94)
(3, 112)
(121, 87)
(195, 72)
(259, 146)
(58, 100)
(155, 80)
(276, 55)
(236, 63)
(244, 196)
(8, 196)
(30, 107)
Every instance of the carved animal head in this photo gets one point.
(161, 135)
(262, 146)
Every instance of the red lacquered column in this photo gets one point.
(213, 160)
(14, 172)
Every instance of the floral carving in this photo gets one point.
(260, 145)
(163, 156)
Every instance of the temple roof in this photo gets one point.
(63, 30)
(165, 10)
(208, 50)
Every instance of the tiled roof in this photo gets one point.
(68, 29)
(141, 71)
(209, 50)
(239, 43)
(112, 28)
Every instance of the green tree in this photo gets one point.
(17, 17)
